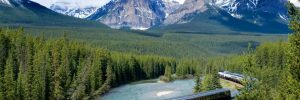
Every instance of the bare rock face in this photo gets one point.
(144, 14)
(189, 7)
(170, 7)
(254, 11)
(136, 14)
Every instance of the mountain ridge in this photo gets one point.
(212, 18)
(170, 15)
(28, 13)
(118, 14)
(136, 14)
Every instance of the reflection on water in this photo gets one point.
(162, 93)
(151, 91)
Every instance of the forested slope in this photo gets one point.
(39, 68)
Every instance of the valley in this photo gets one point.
(149, 49)
(178, 45)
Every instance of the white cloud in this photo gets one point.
(80, 3)
(295, 2)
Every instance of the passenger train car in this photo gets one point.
(235, 77)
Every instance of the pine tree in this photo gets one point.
(29, 69)
(58, 89)
(39, 68)
(180, 69)
(60, 61)
(168, 72)
(9, 82)
(64, 69)
(96, 74)
(198, 84)
(107, 84)
(211, 80)
(294, 43)
(19, 42)
(248, 65)
(4, 48)
(133, 64)
(20, 87)
(292, 80)
(80, 86)
(49, 72)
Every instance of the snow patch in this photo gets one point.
(6, 2)
(167, 15)
(236, 16)
(119, 26)
(139, 28)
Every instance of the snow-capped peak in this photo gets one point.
(5, 2)
(240, 8)
(77, 8)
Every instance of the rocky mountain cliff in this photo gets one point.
(254, 11)
(144, 14)
(189, 7)
(228, 16)
(135, 14)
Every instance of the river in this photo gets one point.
(154, 90)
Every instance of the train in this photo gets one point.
(235, 77)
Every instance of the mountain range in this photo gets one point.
(266, 16)
(219, 16)
(135, 14)
(28, 13)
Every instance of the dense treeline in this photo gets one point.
(130, 68)
(270, 65)
(178, 45)
(39, 68)
(272, 69)
(46, 69)
(36, 68)
(210, 81)
(274, 65)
